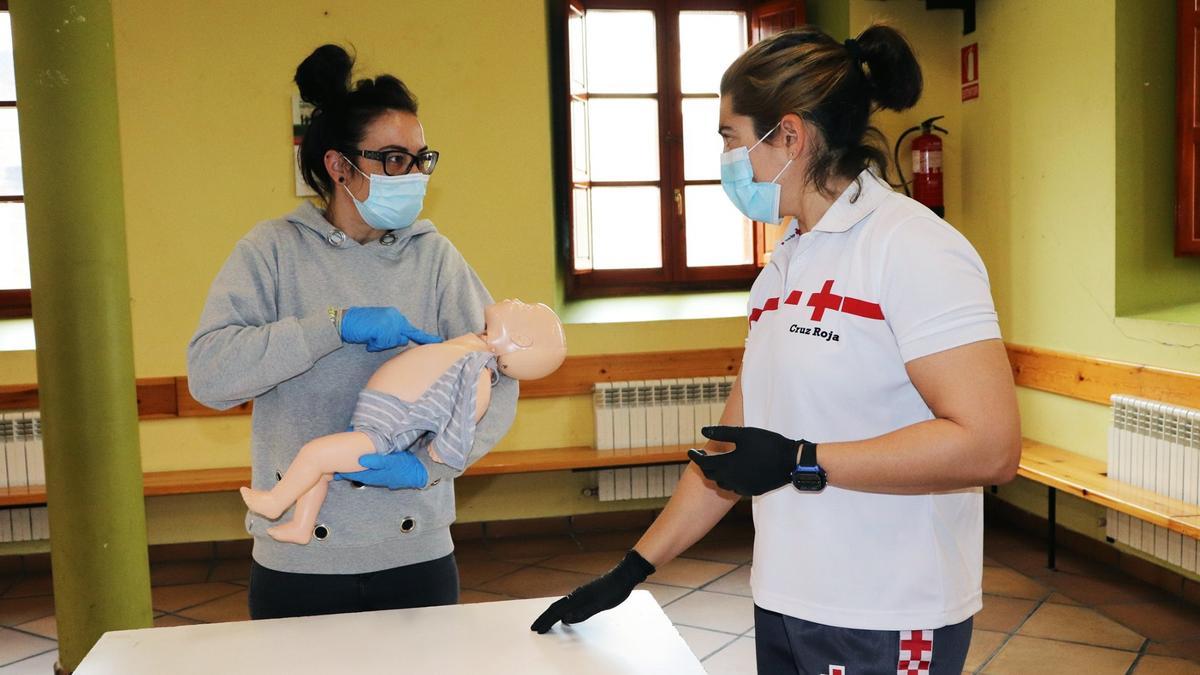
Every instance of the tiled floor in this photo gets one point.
(1083, 618)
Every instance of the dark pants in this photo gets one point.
(275, 595)
(786, 645)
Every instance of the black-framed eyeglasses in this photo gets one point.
(399, 162)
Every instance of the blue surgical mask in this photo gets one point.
(394, 201)
(756, 200)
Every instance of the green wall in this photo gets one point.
(932, 35)
(833, 16)
(1061, 222)
(1065, 170)
(205, 136)
(1149, 276)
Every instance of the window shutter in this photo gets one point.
(769, 18)
(1187, 226)
(577, 116)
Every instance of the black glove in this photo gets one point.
(760, 461)
(597, 595)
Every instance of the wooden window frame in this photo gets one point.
(674, 275)
(14, 303)
(1187, 192)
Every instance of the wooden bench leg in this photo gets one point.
(1050, 524)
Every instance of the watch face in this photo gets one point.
(808, 481)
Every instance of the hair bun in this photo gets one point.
(894, 73)
(324, 77)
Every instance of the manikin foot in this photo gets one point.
(263, 503)
(291, 532)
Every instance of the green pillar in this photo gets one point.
(67, 102)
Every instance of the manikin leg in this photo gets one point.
(318, 457)
(299, 530)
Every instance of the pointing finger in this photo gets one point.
(723, 434)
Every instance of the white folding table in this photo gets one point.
(487, 637)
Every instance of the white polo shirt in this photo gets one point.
(879, 281)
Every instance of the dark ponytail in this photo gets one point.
(835, 86)
(893, 71)
(341, 113)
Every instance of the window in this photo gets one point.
(1187, 225)
(14, 252)
(639, 196)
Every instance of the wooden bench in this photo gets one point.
(1057, 469)
(1087, 478)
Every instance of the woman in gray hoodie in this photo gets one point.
(303, 312)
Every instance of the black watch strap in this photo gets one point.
(808, 453)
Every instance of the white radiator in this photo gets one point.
(1155, 446)
(634, 416)
(22, 465)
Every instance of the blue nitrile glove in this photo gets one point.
(395, 471)
(381, 328)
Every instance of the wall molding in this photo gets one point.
(1095, 380)
(1080, 377)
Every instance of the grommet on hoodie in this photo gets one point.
(388, 239)
(320, 532)
(336, 237)
(408, 525)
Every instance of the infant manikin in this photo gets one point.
(428, 396)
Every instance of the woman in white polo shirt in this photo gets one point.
(875, 395)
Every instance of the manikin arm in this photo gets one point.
(461, 299)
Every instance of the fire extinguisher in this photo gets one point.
(926, 165)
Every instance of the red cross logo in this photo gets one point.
(869, 310)
(821, 302)
(824, 300)
(916, 652)
(916, 643)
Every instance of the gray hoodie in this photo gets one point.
(265, 335)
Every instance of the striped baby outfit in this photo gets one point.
(445, 412)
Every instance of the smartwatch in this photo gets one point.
(808, 475)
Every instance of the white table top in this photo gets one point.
(486, 637)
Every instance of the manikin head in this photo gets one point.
(528, 340)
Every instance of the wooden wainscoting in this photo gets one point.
(1082, 377)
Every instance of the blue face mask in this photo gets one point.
(394, 201)
(757, 201)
